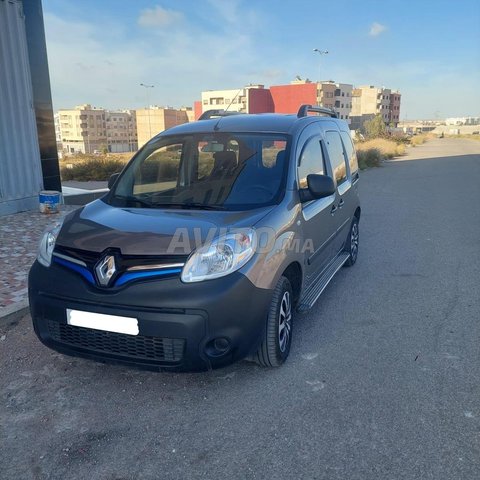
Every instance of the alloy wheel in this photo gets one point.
(285, 321)
(354, 241)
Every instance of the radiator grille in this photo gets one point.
(133, 346)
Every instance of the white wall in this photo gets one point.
(227, 95)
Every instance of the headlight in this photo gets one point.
(221, 257)
(47, 244)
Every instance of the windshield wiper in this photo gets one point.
(192, 205)
(131, 198)
(153, 204)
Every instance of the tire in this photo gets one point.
(275, 347)
(351, 245)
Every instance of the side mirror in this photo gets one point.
(319, 186)
(112, 180)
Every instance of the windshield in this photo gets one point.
(227, 171)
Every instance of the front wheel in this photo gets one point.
(275, 347)
(351, 245)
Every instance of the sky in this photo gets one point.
(100, 51)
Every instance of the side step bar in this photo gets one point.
(318, 286)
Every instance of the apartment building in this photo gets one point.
(58, 134)
(326, 94)
(87, 129)
(248, 99)
(154, 119)
(288, 98)
(329, 94)
(121, 128)
(83, 129)
(368, 101)
(190, 113)
(337, 96)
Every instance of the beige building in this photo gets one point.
(121, 127)
(58, 134)
(190, 113)
(236, 100)
(337, 96)
(153, 120)
(368, 101)
(326, 94)
(87, 129)
(83, 129)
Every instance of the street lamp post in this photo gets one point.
(148, 106)
(320, 52)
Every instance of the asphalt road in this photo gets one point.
(382, 382)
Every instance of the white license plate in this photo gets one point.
(99, 321)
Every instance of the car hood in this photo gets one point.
(146, 231)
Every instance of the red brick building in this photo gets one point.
(260, 100)
(249, 99)
(197, 109)
(288, 98)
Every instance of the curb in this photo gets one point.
(13, 313)
(78, 199)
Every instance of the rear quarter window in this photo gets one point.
(350, 151)
(337, 157)
(311, 161)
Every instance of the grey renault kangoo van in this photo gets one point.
(208, 242)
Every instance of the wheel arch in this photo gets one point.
(357, 213)
(293, 273)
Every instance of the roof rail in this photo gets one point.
(216, 113)
(305, 109)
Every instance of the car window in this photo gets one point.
(272, 151)
(206, 159)
(311, 161)
(224, 170)
(159, 171)
(337, 157)
(350, 150)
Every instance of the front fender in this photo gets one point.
(271, 262)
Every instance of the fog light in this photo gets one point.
(217, 347)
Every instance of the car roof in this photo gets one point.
(262, 122)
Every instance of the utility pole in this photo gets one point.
(148, 106)
(319, 85)
(320, 52)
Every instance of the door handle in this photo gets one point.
(333, 210)
(341, 203)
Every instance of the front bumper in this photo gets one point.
(177, 322)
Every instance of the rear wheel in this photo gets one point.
(351, 245)
(275, 346)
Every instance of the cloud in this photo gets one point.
(228, 11)
(376, 29)
(104, 66)
(158, 17)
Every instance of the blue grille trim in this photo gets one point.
(122, 279)
(130, 276)
(84, 272)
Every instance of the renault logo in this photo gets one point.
(105, 270)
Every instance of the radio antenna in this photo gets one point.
(216, 127)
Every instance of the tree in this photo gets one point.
(375, 127)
